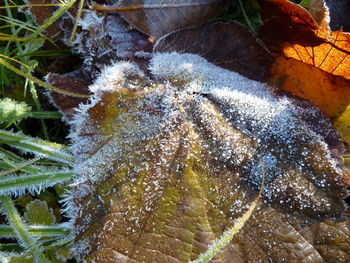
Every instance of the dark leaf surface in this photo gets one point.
(228, 45)
(339, 11)
(164, 166)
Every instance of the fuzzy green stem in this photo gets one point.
(50, 150)
(21, 230)
(37, 230)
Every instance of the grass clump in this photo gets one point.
(34, 167)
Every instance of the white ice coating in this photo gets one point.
(247, 105)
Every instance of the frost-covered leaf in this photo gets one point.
(107, 38)
(165, 163)
(158, 17)
(38, 213)
(228, 45)
(101, 40)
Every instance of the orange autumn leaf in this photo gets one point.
(331, 56)
(330, 93)
(312, 63)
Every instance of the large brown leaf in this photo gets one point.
(164, 166)
(158, 17)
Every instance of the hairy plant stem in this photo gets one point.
(36, 182)
(50, 150)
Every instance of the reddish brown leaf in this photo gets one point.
(42, 12)
(313, 64)
(278, 8)
(75, 82)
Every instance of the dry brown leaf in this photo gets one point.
(74, 82)
(277, 8)
(164, 166)
(157, 18)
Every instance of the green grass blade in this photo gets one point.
(21, 230)
(59, 230)
(50, 21)
(19, 167)
(45, 114)
(38, 81)
(226, 237)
